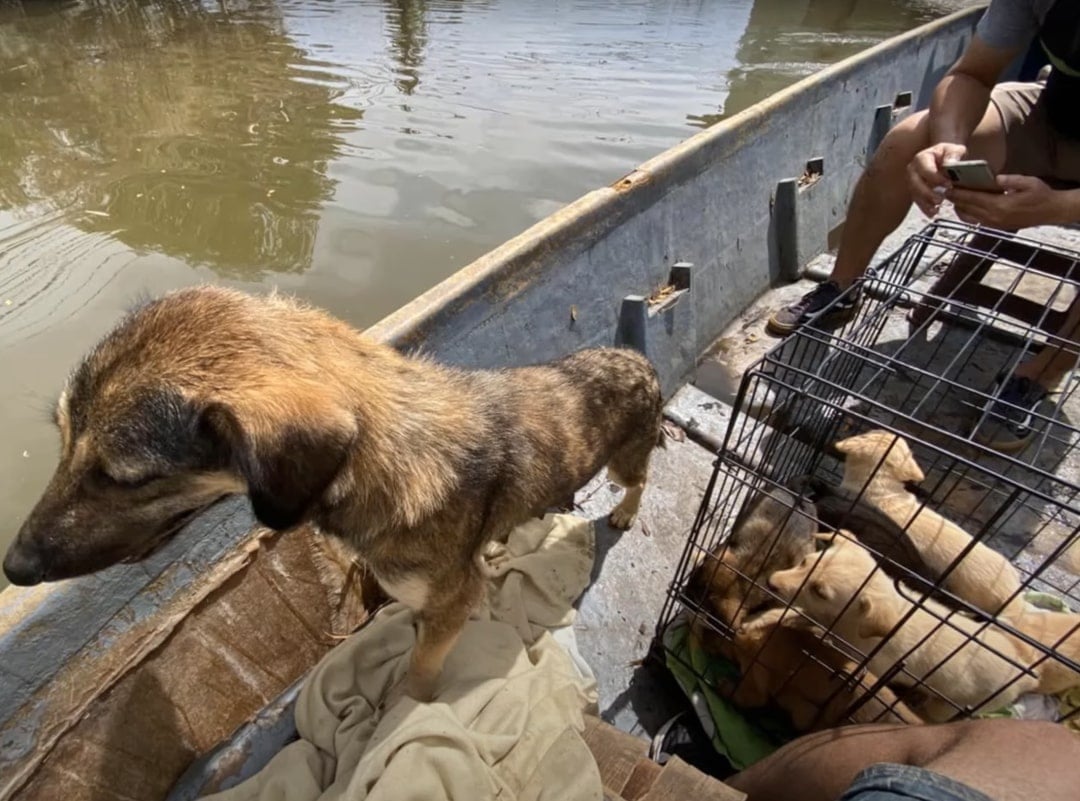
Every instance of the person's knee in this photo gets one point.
(900, 145)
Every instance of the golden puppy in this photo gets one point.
(881, 462)
(844, 587)
(1059, 631)
(208, 391)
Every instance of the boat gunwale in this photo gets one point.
(405, 327)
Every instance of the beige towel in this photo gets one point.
(508, 713)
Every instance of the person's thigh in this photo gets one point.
(982, 755)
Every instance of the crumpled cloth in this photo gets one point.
(507, 718)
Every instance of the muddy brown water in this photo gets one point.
(354, 152)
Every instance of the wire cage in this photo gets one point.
(907, 436)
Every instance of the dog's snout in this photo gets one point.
(772, 585)
(24, 566)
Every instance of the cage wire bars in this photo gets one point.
(942, 324)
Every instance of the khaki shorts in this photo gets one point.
(1032, 146)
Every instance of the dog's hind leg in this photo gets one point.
(629, 468)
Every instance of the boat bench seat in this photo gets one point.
(629, 775)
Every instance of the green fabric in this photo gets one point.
(743, 737)
(1040, 600)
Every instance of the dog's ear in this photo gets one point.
(821, 589)
(287, 462)
(843, 445)
(870, 622)
(907, 469)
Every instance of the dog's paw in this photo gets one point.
(496, 566)
(421, 690)
(770, 617)
(621, 518)
(748, 628)
(405, 687)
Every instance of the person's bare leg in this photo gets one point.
(881, 198)
(880, 201)
(1009, 760)
(1054, 360)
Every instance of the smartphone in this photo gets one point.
(974, 174)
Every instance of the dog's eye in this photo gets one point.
(102, 477)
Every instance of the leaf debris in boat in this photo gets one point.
(808, 178)
(661, 294)
(672, 431)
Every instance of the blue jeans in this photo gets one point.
(889, 782)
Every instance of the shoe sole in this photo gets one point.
(831, 320)
(1009, 446)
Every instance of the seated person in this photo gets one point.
(1029, 133)
(974, 760)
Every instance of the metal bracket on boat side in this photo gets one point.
(800, 220)
(662, 327)
(885, 117)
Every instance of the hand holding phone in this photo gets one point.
(973, 174)
(926, 176)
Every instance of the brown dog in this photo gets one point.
(207, 392)
(806, 677)
(774, 531)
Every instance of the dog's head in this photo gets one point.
(191, 398)
(880, 455)
(825, 581)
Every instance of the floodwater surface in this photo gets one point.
(354, 152)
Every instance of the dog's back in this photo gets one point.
(1058, 631)
(875, 529)
(813, 681)
(962, 659)
(971, 665)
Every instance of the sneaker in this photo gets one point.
(789, 318)
(1005, 424)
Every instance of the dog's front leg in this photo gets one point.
(767, 618)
